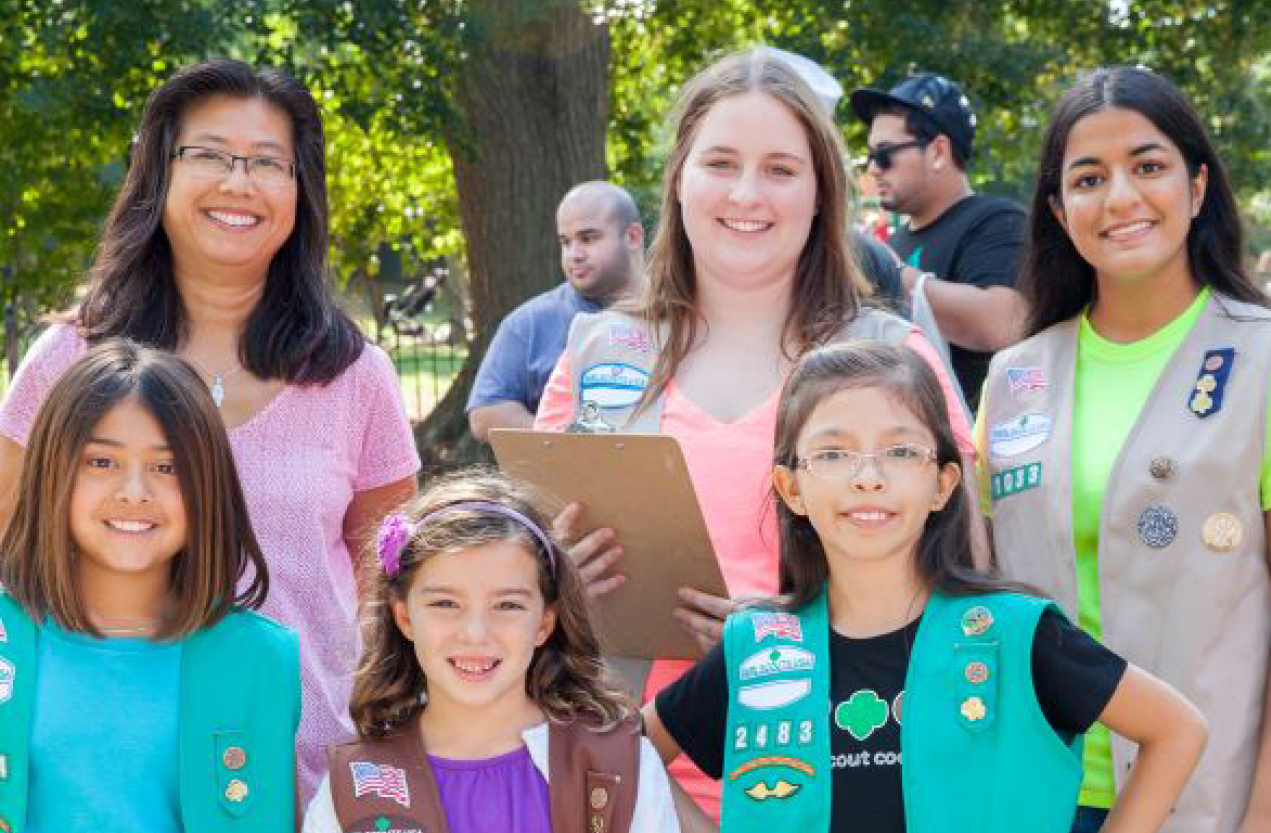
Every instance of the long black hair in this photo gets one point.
(944, 559)
(1056, 280)
(297, 332)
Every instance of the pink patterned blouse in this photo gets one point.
(300, 460)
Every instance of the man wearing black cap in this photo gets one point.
(961, 249)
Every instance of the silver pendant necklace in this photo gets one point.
(217, 385)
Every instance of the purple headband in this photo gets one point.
(396, 531)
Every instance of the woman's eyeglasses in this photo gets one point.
(210, 163)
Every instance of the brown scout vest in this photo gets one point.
(1183, 578)
(593, 779)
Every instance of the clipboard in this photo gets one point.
(639, 486)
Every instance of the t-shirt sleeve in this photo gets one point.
(556, 408)
(49, 357)
(387, 443)
(991, 252)
(654, 808)
(694, 709)
(953, 401)
(1074, 675)
(502, 376)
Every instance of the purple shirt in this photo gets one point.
(525, 349)
(494, 795)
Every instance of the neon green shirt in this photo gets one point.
(1111, 385)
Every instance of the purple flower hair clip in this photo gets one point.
(395, 532)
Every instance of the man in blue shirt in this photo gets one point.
(602, 255)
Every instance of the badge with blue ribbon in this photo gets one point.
(1205, 398)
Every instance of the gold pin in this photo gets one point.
(1163, 468)
(976, 673)
(234, 758)
(973, 709)
(1222, 532)
(236, 791)
(1207, 383)
(599, 798)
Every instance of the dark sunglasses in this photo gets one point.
(882, 157)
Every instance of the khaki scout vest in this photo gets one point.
(611, 358)
(1183, 578)
(388, 784)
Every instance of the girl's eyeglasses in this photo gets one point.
(842, 464)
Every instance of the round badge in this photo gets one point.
(236, 791)
(1163, 468)
(599, 798)
(977, 621)
(1222, 532)
(976, 673)
(1158, 526)
(1213, 363)
(973, 709)
(234, 758)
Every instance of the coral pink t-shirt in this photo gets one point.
(301, 459)
(730, 464)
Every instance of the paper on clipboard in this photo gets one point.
(638, 485)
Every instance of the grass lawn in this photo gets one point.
(424, 372)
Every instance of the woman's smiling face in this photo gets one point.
(748, 192)
(234, 220)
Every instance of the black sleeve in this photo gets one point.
(1074, 674)
(694, 709)
(991, 251)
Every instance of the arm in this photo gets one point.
(1171, 735)
(483, 418)
(1258, 813)
(367, 509)
(985, 318)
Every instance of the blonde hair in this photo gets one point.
(828, 283)
(566, 677)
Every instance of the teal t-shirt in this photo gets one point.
(104, 735)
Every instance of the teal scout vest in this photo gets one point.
(978, 752)
(239, 708)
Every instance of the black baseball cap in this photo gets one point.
(934, 95)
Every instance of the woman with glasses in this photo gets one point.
(1126, 440)
(750, 268)
(216, 249)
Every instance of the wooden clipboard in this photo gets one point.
(639, 486)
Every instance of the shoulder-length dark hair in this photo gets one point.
(1056, 280)
(944, 560)
(297, 332)
(566, 677)
(828, 283)
(37, 558)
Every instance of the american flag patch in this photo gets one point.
(780, 625)
(632, 338)
(378, 779)
(1026, 378)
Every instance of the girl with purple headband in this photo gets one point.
(482, 683)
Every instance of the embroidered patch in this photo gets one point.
(1206, 396)
(776, 661)
(759, 763)
(381, 780)
(781, 789)
(862, 714)
(4, 633)
(613, 385)
(1026, 378)
(777, 695)
(898, 706)
(1222, 532)
(1016, 480)
(630, 338)
(977, 621)
(385, 824)
(780, 625)
(1158, 526)
(7, 674)
(1016, 436)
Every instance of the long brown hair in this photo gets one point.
(37, 553)
(566, 677)
(944, 560)
(297, 331)
(828, 283)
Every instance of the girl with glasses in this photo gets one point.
(887, 643)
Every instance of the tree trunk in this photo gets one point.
(533, 92)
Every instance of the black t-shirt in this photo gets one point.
(1074, 677)
(979, 241)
